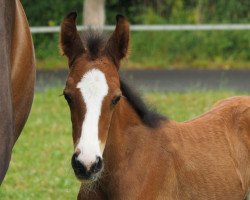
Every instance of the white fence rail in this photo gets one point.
(188, 27)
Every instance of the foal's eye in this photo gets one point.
(67, 97)
(115, 100)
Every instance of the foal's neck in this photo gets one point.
(126, 132)
(130, 147)
(125, 116)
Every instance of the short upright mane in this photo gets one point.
(148, 116)
(94, 42)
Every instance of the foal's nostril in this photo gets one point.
(97, 166)
(76, 164)
(81, 170)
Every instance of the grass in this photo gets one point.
(40, 167)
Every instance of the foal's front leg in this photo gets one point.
(95, 194)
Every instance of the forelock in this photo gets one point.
(94, 43)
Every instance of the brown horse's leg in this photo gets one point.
(23, 70)
(17, 77)
(7, 11)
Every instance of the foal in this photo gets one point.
(125, 151)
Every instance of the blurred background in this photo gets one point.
(220, 49)
(181, 72)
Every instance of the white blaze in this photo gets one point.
(93, 87)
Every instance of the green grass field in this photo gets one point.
(40, 167)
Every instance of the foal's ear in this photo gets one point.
(117, 45)
(70, 41)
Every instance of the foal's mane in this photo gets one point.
(147, 114)
(94, 42)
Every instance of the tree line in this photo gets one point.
(48, 12)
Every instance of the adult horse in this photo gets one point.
(125, 151)
(17, 77)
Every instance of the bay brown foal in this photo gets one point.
(123, 150)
